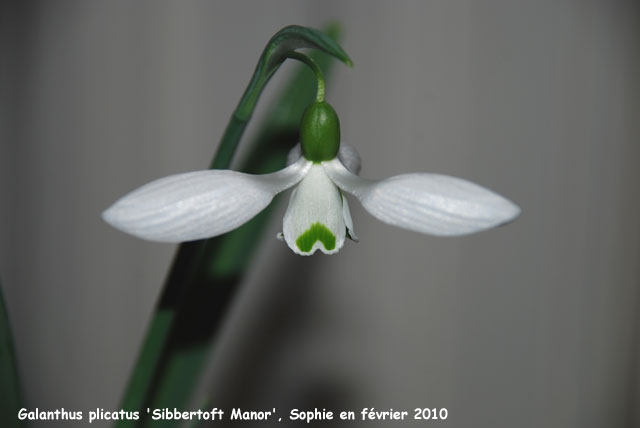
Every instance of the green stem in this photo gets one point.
(205, 274)
(316, 70)
(230, 138)
(9, 385)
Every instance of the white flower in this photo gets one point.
(204, 204)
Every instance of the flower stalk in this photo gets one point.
(204, 274)
(320, 88)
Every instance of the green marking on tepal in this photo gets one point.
(317, 232)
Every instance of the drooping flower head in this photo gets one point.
(204, 204)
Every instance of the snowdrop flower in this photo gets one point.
(204, 204)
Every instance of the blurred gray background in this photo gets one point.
(534, 324)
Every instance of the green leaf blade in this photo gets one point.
(183, 330)
(10, 403)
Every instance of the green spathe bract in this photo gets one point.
(317, 232)
(320, 132)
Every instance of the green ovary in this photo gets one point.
(317, 232)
